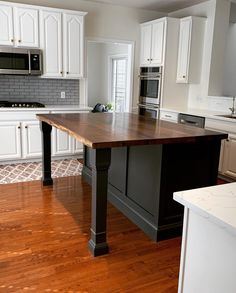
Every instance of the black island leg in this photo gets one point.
(46, 130)
(100, 163)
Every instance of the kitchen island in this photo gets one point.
(208, 252)
(148, 159)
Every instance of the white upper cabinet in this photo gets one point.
(73, 45)
(19, 26)
(146, 42)
(51, 25)
(191, 40)
(158, 38)
(26, 27)
(152, 42)
(63, 43)
(6, 25)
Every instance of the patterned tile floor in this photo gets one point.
(33, 171)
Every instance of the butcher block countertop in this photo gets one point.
(106, 130)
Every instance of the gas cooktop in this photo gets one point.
(7, 104)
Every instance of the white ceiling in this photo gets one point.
(158, 5)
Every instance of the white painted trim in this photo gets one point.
(183, 250)
(110, 59)
(84, 82)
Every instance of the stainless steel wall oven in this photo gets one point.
(150, 91)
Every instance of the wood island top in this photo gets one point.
(106, 130)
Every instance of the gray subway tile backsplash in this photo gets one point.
(35, 89)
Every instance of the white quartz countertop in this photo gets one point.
(202, 113)
(217, 203)
(49, 108)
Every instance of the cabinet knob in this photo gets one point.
(61, 72)
(12, 40)
(148, 59)
(19, 41)
(67, 72)
(184, 76)
(19, 127)
(26, 127)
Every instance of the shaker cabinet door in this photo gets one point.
(61, 143)
(52, 43)
(26, 27)
(146, 42)
(184, 47)
(157, 49)
(73, 45)
(10, 133)
(229, 161)
(32, 143)
(6, 25)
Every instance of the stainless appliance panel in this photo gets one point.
(191, 120)
(20, 61)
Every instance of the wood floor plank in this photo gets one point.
(44, 233)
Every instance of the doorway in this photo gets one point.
(110, 74)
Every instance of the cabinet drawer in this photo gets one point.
(169, 116)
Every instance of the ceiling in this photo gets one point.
(158, 5)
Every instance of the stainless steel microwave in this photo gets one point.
(20, 61)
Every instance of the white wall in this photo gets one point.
(229, 85)
(108, 21)
(98, 69)
(221, 25)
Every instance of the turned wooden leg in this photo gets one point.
(46, 130)
(100, 161)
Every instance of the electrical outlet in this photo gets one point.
(63, 95)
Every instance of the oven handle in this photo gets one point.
(148, 107)
(144, 77)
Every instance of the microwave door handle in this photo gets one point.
(29, 56)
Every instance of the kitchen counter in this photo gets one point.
(208, 253)
(49, 108)
(216, 203)
(203, 113)
(140, 162)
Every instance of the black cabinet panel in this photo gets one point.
(117, 170)
(143, 178)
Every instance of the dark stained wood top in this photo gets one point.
(105, 130)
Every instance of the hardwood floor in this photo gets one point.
(43, 245)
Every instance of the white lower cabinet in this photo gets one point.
(229, 159)
(31, 139)
(10, 146)
(169, 116)
(61, 143)
(78, 147)
(227, 164)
